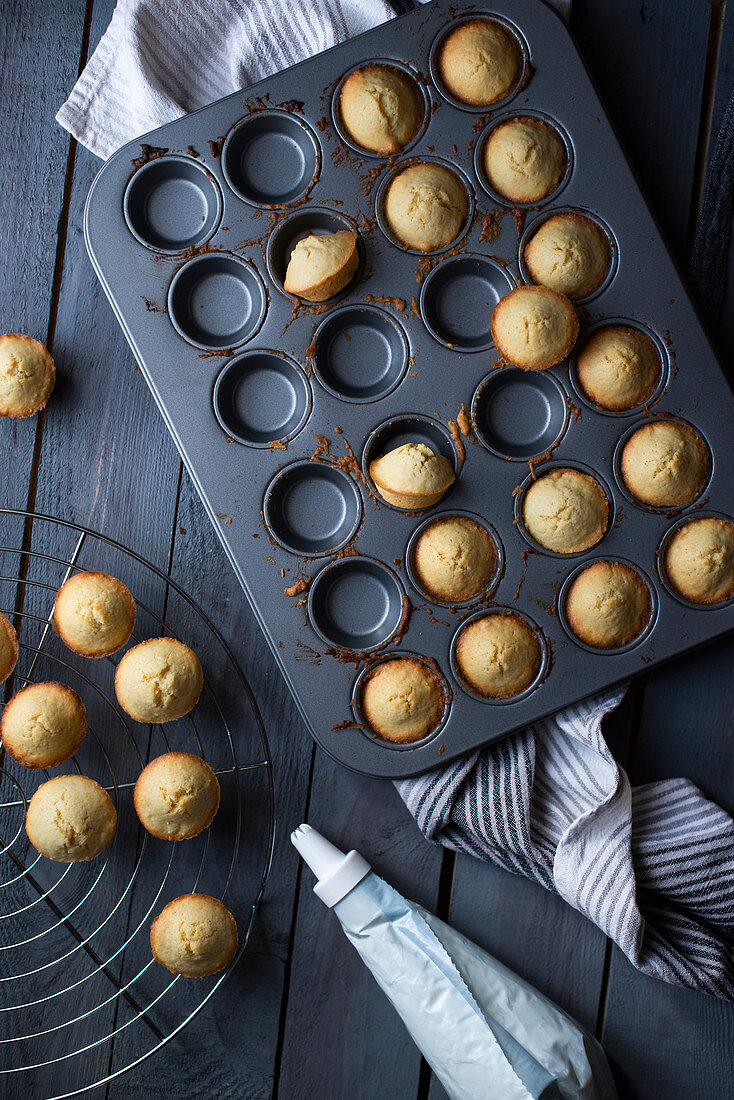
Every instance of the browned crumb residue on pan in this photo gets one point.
(492, 225)
(191, 151)
(278, 445)
(464, 421)
(458, 442)
(148, 152)
(299, 587)
(404, 621)
(215, 146)
(307, 653)
(414, 307)
(387, 300)
(347, 724)
(323, 447)
(151, 306)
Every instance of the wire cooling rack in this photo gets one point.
(81, 999)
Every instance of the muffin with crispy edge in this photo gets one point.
(524, 159)
(158, 680)
(322, 265)
(70, 819)
(699, 560)
(426, 206)
(608, 604)
(665, 464)
(565, 510)
(479, 62)
(402, 700)
(43, 724)
(412, 476)
(194, 935)
(27, 375)
(498, 655)
(176, 796)
(380, 109)
(454, 558)
(534, 327)
(569, 253)
(8, 648)
(618, 367)
(94, 614)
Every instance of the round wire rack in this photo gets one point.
(82, 1001)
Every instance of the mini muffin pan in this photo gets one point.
(278, 406)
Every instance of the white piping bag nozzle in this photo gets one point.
(336, 872)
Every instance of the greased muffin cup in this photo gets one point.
(262, 398)
(172, 204)
(271, 158)
(519, 414)
(458, 297)
(312, 508)
(217, 301)
(357, 604)
(310, 221)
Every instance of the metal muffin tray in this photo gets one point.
(278, 406)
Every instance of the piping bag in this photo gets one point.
(484, 1031)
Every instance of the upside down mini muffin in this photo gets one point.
(70, 819)
(569, 253)
(426, 206)
(618, 367)
(412, 476)
(320, 266)
(380, 109)
(27, 375)
(43, 724)
(565, 510)
(94, 614)
(608, 604)
(479, 62)
(402, 700)
(665, 464)
(524, 159)
(498, 655)
(8, 647)
(534, 327)
(158, 680)
(699, 560)
(194, 935)
(176, 796)
(454, 558)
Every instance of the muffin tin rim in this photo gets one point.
(311, 463)
(591, 215)
(460, 349)
(535, 475)
(394, 168)
(662, 572)
(621, 322)
(544, 669)
(510, 116)
(526, 68)
(355, 701)
(231, 135)
(406, 69)
(202, 259)
(232, 364)
(344, 562)
(660, 509)
(373, 435)
(367, 307)
(483, 382)
(497, 573)
(349, 224)
(611, 651)
(151, 166)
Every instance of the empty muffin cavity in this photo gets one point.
(312, 508)
(413, 430)
(479, 61)
(523, 158)
(217, 301)
(457, 299)
(518, 414)
(455, 558)
(173, 203)
(360, 353)
(262, 398)
(380, 108)
(357, 604)
(297, 227)
(271, 158)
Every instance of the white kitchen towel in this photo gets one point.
(653, 866)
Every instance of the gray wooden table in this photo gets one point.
(301, 1017)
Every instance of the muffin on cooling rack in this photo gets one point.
(27, 375)
(380, 109)
(618, 367)
(570, 253)
(43, 725)
(479, 62)
(498, 655)
(699, 560)
(194, 935)
(412, 476)
(176, 796)
(8, 647)
(94, 614)
(454, 558)
(565, 510)
(320, 266)
(534, 327)
(402, 700)
(665, 463)
(426, 206)
(608, 604)
(524, 159)
(158, 680)
(70, 819)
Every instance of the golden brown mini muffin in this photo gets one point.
(402, 700)
(565, 510)
(158, 680)
(70, 819)
(320, 266)
(665, 464)
(534, 327)
(569, 253)
(608, 604)
(618, 367)
(479, 62)
(194, 935)
(43, 725)
(176, 796)
(412, 476)
(498, 655)
(426, 206)
(380, 109)
(27, 375)
(454, 558)
(94, 614)
(524, 159)
(699, 560)
(8, 648)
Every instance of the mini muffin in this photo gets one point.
(425, 206)
(569, 253)
(498, 655)
(524, 159)
(479, 63)
(665, 464)
(321, 266)
(158, 680)
(380, 109)
(27, 375)
(8, 648)
(94, 614)
(176, 796)
(534, 327)
(608, 604)
(43, 725)
(194, 935)
(412, 476)
(618, 367)
(402, 700)
(699, 560)
(565, 510)
(454, 558)
(70, 819)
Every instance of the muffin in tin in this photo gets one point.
(524, 159)
(322, 265)
(479, 62)
(380, 109)
(402, 700)
(569, 253)
(618, 367)
(498, 655)
(565, 511)
(665, 464)
(425, 206)
(608, 605)
(699, 560)
(454, 558)
(412, 476)
(534, 327)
